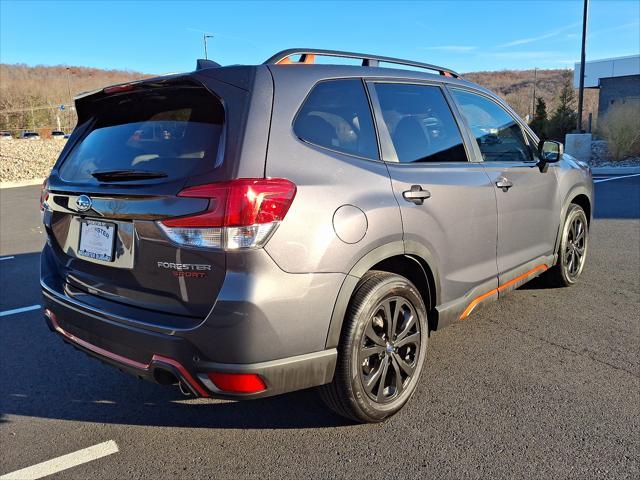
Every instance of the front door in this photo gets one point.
(526, 197)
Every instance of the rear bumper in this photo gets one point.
(169, 358)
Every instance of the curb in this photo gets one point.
(615, 170)
(22, 183)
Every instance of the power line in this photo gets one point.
(19, 110)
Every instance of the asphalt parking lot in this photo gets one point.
(544, 383)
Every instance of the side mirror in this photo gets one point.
(550, 151)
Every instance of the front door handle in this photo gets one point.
(416, 195)
(504, 184)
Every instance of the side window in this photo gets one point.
(499, 136)
(420, 123)
(336, 115)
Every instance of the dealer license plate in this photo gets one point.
(97, 240)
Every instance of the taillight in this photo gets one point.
(44, 194)
(241, 213)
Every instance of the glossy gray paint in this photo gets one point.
(457, 223)
(527, 222)
(262, 309)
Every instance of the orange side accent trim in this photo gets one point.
(476, 301)
(305, 59)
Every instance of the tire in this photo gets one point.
(572, 253)
(364, 349)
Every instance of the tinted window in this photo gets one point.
(175, 131)
(420, 123)
(336, 115)
(498, 135)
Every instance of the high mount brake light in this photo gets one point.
(127, 87)
(241, 213)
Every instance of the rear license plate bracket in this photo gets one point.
(97, 240)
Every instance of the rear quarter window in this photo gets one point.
(176, 131)
(336, 115)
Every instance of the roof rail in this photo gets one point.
(307, 56)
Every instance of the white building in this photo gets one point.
(617, 78)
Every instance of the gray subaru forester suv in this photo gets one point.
(246, 231)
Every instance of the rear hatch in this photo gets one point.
(136, 147)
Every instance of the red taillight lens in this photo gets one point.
(241, 213)
(44, 194)
(215, 214)
(258, 201)
(239, 203)
(127, 87)
(237, 382)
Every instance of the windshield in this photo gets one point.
(176, 131)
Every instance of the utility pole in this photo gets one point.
(582, 59)
(204, 39)
(70, 99)
(533, 100)
(33, 120)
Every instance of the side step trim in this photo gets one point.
(474, 303)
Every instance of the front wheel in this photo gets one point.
(381, 351)
(573, 249)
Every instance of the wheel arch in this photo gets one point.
(578, 195)
(583, 201)
(414, 262)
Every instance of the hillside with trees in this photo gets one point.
(30, 97)
(553, 91)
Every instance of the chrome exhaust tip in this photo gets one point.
(184, 390)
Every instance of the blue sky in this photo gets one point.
(166, 36)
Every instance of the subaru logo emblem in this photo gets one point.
(83, 203)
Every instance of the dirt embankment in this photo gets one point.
(27, 159)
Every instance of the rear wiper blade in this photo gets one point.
(126, 175)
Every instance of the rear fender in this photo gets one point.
(362, 266)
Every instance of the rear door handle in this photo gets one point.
(504, 184)
(416, 195)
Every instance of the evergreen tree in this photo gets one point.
(539, 122)
(564, 118)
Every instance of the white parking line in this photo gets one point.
(19, 310)
(64, 462)
(600, 180)
(7, 258)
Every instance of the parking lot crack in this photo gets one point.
(568, 349)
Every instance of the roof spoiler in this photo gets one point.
(203, 63)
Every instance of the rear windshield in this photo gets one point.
(172, 131)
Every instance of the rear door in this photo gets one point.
(447, 202)
(526, 197)
(134, 150)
